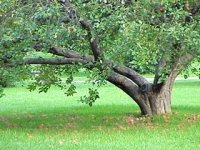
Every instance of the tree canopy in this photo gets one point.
(114, 40)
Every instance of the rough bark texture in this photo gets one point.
(157, 102)
(152, 101)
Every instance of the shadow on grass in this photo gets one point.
(95, 118)
(74, 118)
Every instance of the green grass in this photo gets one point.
(54, 121)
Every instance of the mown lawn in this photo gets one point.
(54, 121)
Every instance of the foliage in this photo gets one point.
(192, 69)
(8, 77)
(93, 95)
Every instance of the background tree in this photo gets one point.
(112, 40)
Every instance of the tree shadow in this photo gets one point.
(75, 118)
(86, 118)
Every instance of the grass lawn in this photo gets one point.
(53, 121)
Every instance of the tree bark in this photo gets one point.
(157, 102)
(151, 99)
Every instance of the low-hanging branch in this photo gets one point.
(120, 69)
(123, 83)
(131, 74)
(128, 87)
(55, 61)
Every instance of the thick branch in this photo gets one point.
(70, 54)
(124, 84)
(128, 87)
(131, 74)
(178, 67)
(74, 57)
(181, 63)
(55, 61)
(94, 42)
(65, 53)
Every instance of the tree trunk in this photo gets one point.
(152, 99)
(158, 101)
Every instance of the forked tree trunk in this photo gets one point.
(152, 99)
(157, 101)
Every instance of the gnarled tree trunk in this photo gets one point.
(156, 102)
(152, 99)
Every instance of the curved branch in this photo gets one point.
(181, 63)
(131, 74)
(94, 42)
(128, 87)
(124, 84)
(161, 63)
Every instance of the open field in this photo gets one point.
(54, 121)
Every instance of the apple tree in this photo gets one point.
(114, 40)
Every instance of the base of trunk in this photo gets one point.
(156, 103)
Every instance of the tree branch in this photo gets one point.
(131, 74)
(74, 57)
(124, 84)
(54, 61)
(181, 63)
(65, 53)
(161, 63)
(128, 87)
(94, 41)
(69, 54)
